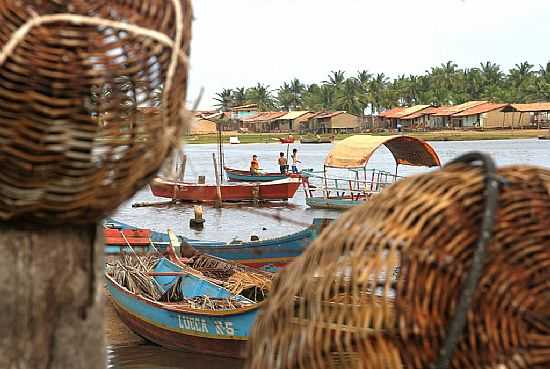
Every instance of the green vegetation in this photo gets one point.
(455, 135)
(442, 85)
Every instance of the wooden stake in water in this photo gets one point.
(218, 188)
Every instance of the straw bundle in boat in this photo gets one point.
(420, 277)
(78, 79)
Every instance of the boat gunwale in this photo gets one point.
(226, 245)
(163, 306)
(118, 306)
(171, 182)
(248, 173)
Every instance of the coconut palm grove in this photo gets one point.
(445, 84)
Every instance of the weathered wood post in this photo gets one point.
(219, 199)
(73, 147)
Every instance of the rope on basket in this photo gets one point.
(456, 326)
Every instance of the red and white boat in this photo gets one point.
(282, 189)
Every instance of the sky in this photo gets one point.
(238, 43)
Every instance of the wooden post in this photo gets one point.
(198, 221)
(50, 281)
(183, 165)
(218, 188)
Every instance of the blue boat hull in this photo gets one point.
(269, 254)
(216, 332)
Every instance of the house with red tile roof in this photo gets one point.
(396, 117)
(261, 122)
(441, 118)
(490, 115)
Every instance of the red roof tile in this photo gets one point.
(428, 111)
(534, 107)
(264, 116)
(480, 109)
(407, 111)
(453, 109)
(391, 111)
(329, 114)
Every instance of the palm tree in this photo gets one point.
(327, 97)
(262, 96)
(335, 78)
(224, 99)
(521, 80)
(348, 97)
(239, 96)
(312, 98)
(297, 88)
(377, 87)
(491, 81)
(285, 97)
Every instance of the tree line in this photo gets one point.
(445, 84)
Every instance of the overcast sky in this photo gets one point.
(242, 42)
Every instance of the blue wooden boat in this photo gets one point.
(236, 175)
(269, 254)
(181, 325)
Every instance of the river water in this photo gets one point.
(239, 222)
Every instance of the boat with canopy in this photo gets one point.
(353, 154)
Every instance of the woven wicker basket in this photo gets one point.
(381, 286)
(74, 142)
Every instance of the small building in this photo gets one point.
(291, 121)
(395, 117)
(243, 111)
(539, 113)
(336, 122)
(201, 126)
(388, 122)
(419, 119)
(261, 122)
(489, 115)
(441, 118)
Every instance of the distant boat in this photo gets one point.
(286, 140)
(185, 307)
(269, 253)
(315, 140)
(237, 175)
(279, 190)
(234, 140)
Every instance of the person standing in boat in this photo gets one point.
(254, 166)
(283, 163)
(295, 160)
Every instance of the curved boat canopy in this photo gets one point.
(355, 151)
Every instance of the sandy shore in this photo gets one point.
(447, 135)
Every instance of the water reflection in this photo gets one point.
(155, 357)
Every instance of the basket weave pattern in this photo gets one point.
(74, 143)
(379, 287)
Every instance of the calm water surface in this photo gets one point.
(238, 222)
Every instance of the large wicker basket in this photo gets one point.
(78, 79)
(382, 286)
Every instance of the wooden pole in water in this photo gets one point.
(183, 165)
(50, 283)
(218, 203)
